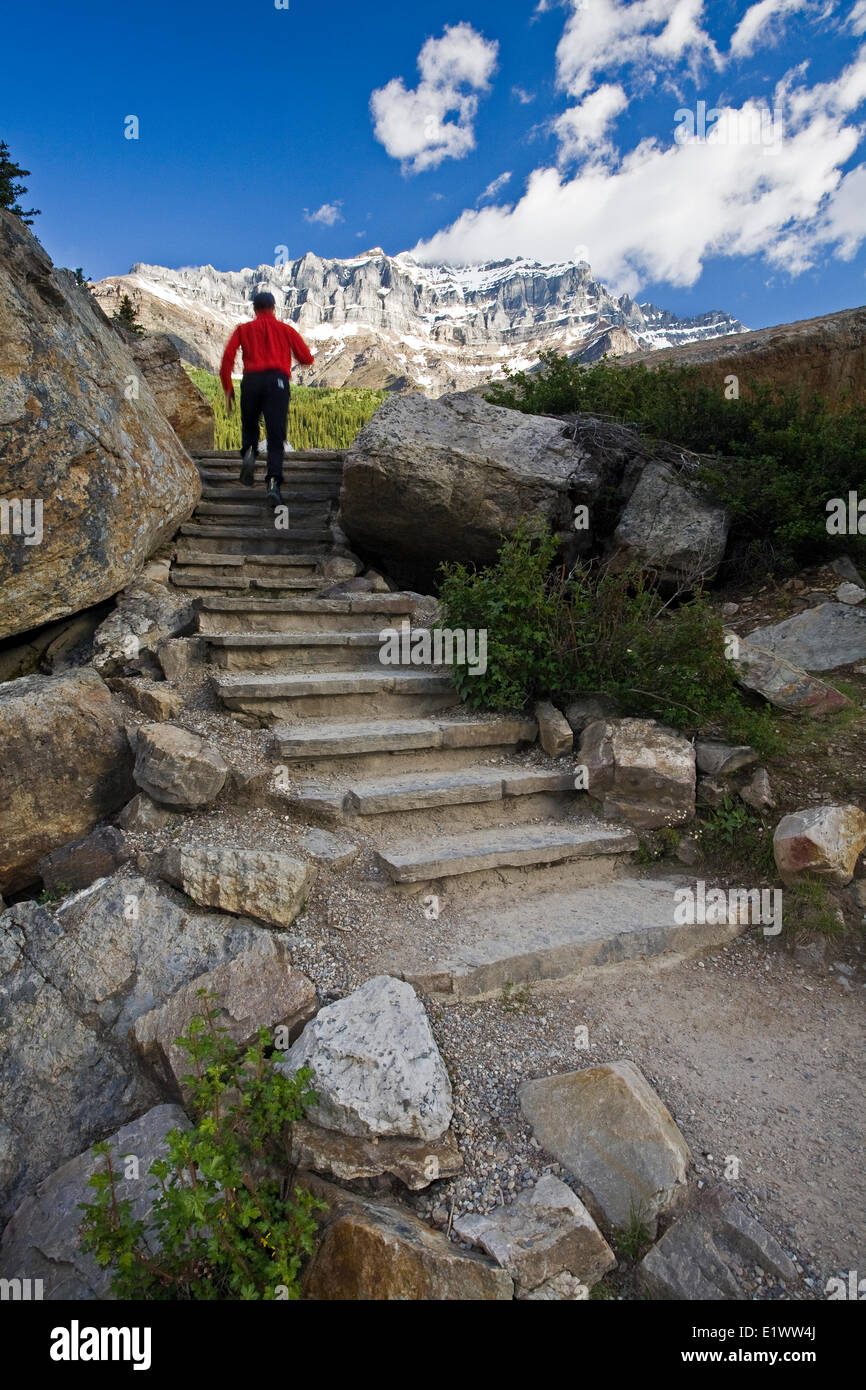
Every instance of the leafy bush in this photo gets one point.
(319, 417)
(553, 632)
(773, 456)
(224, 1224)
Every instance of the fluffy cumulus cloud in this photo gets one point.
(328, 215)
(777, 178)
(435, 121)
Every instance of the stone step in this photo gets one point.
(511, 846)
(256, 512)
(311, 456)
(245, 651)
(298, 492)
(319, 483)
(555, 935)
(339, 694)
(354, 613)
(332, 739)
(412, 791)
(184, 579)
(214, 530)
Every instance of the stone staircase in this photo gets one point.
(455, 805)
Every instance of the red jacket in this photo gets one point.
(266, 343)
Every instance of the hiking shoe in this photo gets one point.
(248, 468)
(274, 495)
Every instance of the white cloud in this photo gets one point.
(327, 215)
(762, 24)
(856, 21)
(652, 35)
(525, 97)
(412, 125)
(495, 186)
(583, 129)
(662, 209)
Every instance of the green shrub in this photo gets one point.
(774, 457)
(225, 1224)
(558, 633)
(319, 417)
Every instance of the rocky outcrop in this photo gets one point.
(186, 408)
(146, 615)
(360, 315)
(66, 765)
(824, 354)
(42, 1240)
(101, 476)
(376, 1067)
(73, 982)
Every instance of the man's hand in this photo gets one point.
(230, 400)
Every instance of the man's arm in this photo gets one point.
(299, 347)
(227, 364)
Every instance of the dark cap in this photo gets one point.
(264, 300)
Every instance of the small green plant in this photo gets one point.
(558, 633)
(54, 895)
(225, 1223)
(516, 1001)
(810, 910)
(734, 839)
(633, 1238)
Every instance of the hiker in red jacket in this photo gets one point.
(268, 347)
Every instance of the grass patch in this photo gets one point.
(320, 417)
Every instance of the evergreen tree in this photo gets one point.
(80, 277)
(127, 314)
(11, 189)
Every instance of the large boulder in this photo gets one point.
(607, 1127)
(73, 982)
(639, 771)
(187, 409)
(823, 840)
(265, 884)
(256, 989)
(671, 528)
(178, 768)
(82, 439)
(376, 1067)
(66, 765)
(432, 480)
(42, 1240)
(818, 639)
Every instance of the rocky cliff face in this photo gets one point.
(826, 354)
(92, 477)
(380, 320)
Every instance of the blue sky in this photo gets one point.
(313, 127)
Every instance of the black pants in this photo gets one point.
(265, 393)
